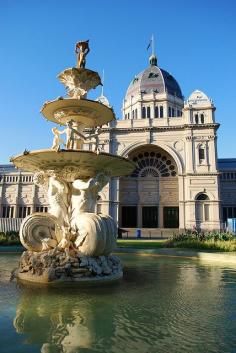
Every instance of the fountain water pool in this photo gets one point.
(162, 305)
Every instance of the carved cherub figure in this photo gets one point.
(95, 136)
(57, 140)
(82, 49)
(74, 137)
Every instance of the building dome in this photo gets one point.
(153, 79)
(198, 98)
(103, 99)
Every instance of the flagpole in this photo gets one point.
(102, 80)
(153, 45)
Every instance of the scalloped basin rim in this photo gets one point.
(92, 113)
(88, 163)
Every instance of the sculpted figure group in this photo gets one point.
(72, 206)
(75, 137)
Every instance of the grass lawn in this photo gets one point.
(141, 244)
(215, 245)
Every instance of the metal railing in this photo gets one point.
(10, 224)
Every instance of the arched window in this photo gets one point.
(202, 118)
(202, 197)
(201, 154)
(172, 112)
(148, 113)
(169, 111)
(161, 111)
(136, 113)
(156, 112)
(196, 119)
(143, 112)
(202, 208)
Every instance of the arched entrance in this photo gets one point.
(149, 198)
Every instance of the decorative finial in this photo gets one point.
(153, 57)
(82, 49)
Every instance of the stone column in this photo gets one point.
(160, 216)
(212, 153)
(114, 187)
(16, 214)
(189, 150)
(139, 218)
(181, 203)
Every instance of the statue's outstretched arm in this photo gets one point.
(83, 185)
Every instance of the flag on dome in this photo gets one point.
(150, 42)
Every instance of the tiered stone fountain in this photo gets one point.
(72, 242)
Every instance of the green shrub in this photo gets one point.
(9, 238)
(214, 240)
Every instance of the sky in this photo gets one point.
(195, 42)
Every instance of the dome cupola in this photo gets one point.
(155, 90)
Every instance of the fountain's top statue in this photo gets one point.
(82, 49)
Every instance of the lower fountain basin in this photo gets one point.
(83, 164)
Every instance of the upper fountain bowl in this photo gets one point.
(88, 112)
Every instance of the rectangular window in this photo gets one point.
(7, 212)
(24, 211)
(129, 216)
(206, 211)
(201, 153)
(41, 209)
(150, 217)
(171, 217)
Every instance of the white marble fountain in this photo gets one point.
(71, 242)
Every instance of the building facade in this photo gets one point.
(178, 183)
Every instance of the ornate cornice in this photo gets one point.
(162, 128)
(203, 174)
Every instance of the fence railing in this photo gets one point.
(10, 224)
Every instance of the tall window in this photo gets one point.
(41, 209)
(7, 211)
(169, 111)
(201, 154)
(156, 112)
(202, 118)
(202, 208)
(196, 119)
(172, 111)
(136, 113)
(143, 112)
(24, 211)
(148, 112)
(161, 111)
(132, 114)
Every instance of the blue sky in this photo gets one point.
(195, 42)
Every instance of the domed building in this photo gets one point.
(178, 182)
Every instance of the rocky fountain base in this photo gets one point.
(57, 266)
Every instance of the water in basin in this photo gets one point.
(162, 305)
